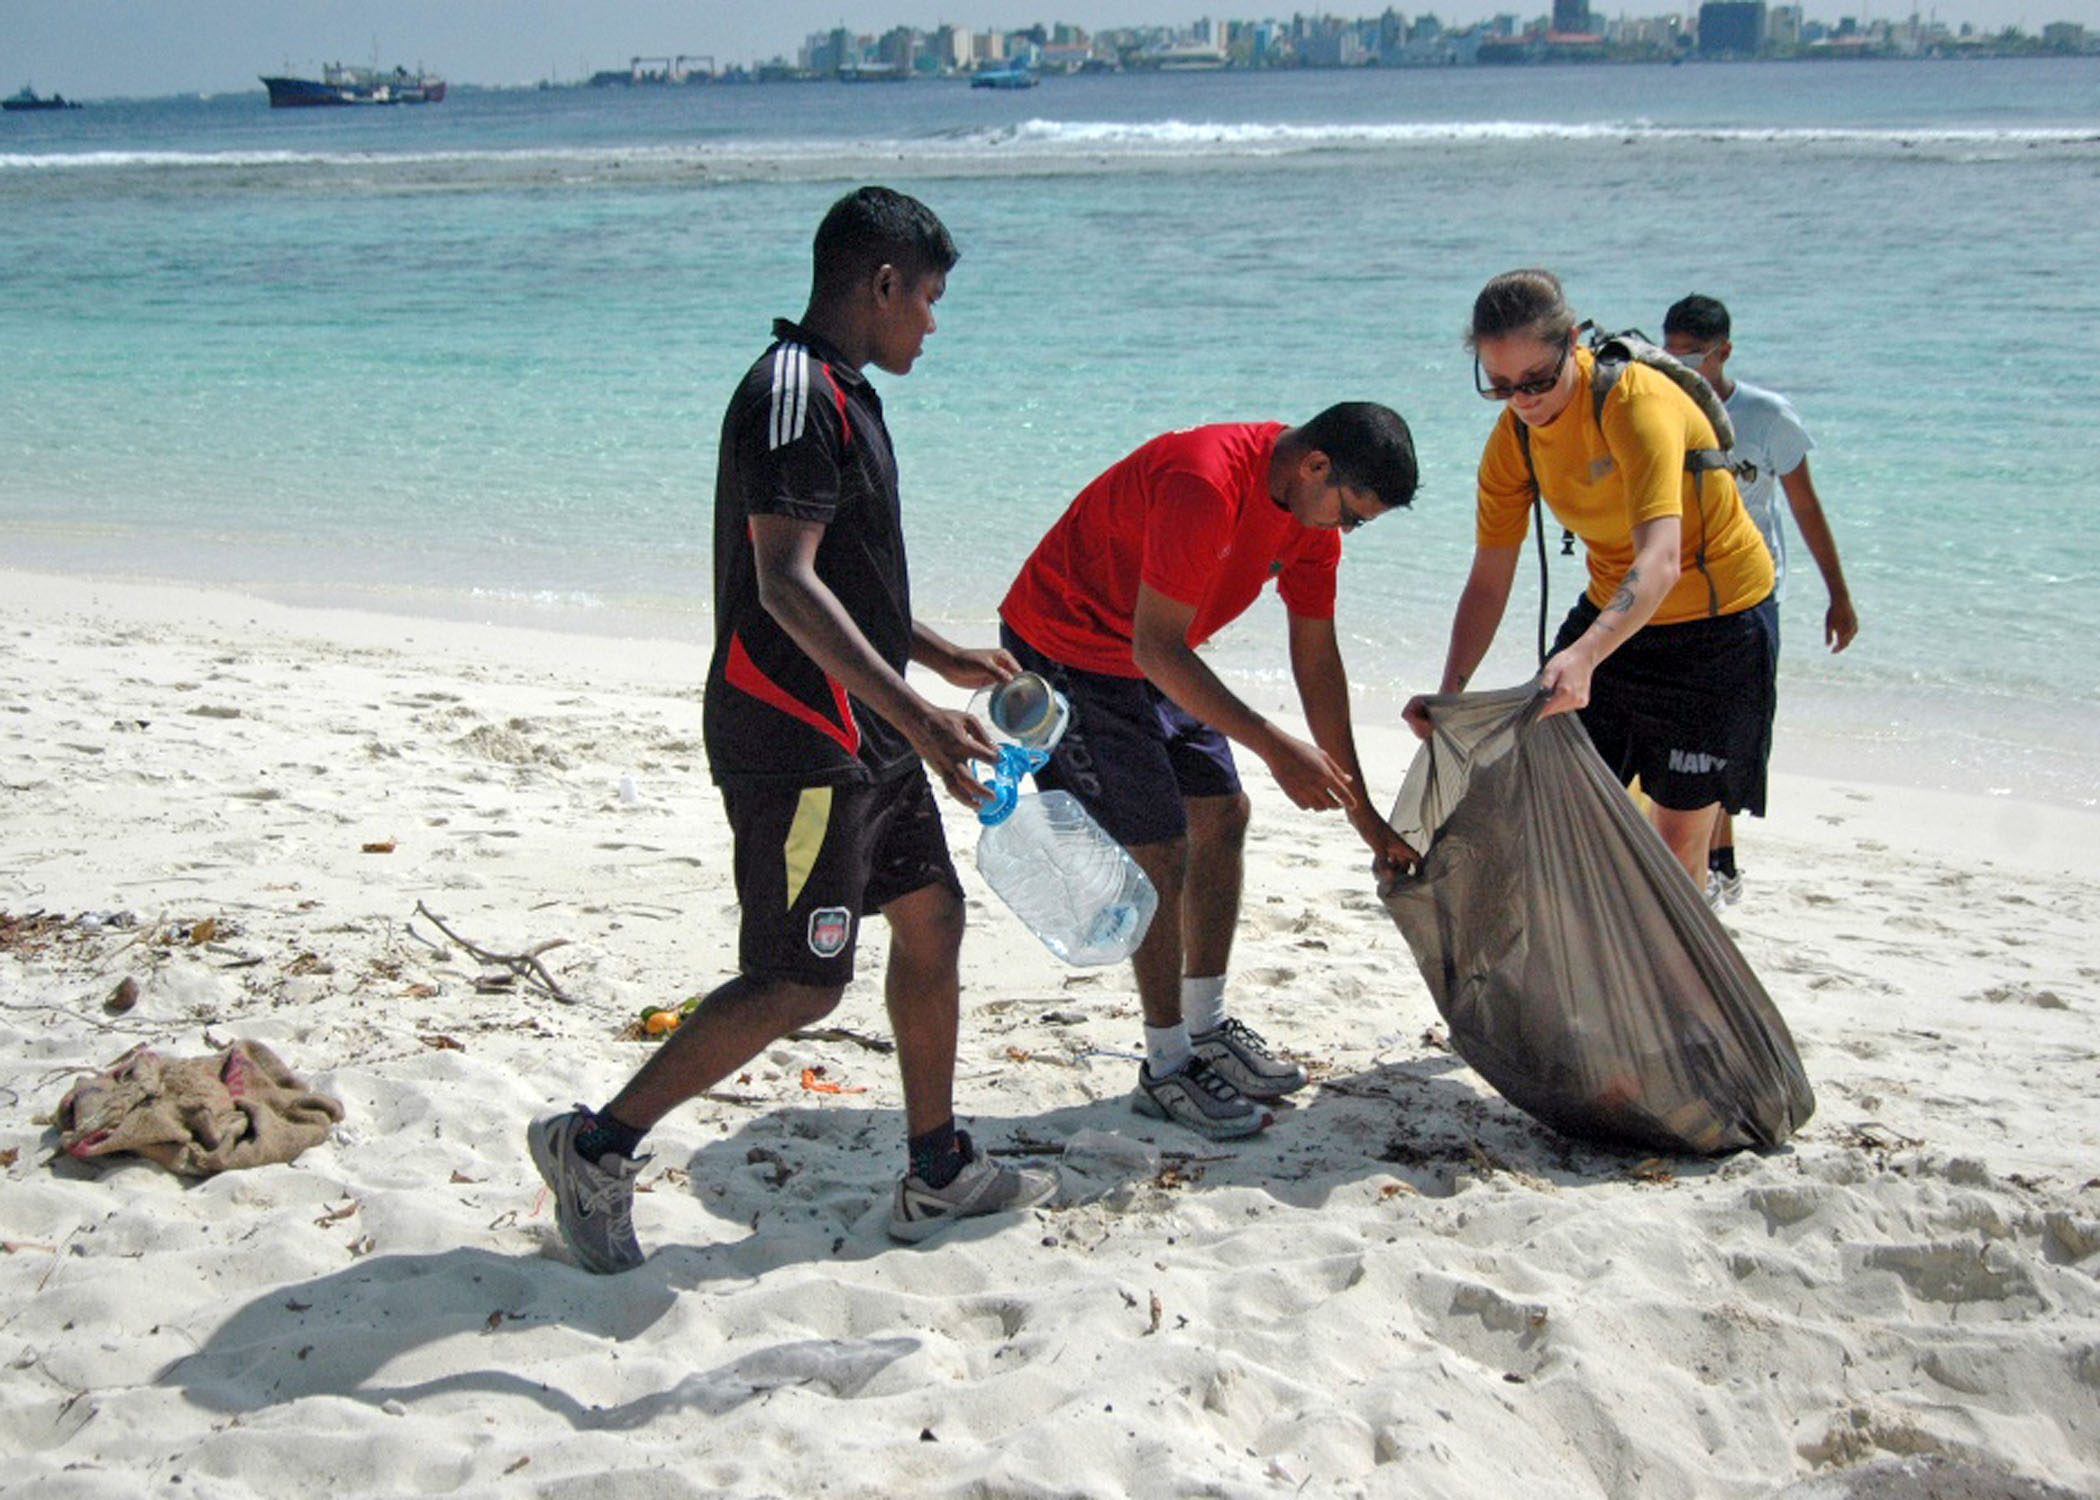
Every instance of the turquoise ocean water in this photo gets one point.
(469, 360)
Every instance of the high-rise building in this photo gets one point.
(1571, 16)
(1734, 28)
(898, 49)
(951, 44)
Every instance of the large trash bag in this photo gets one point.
(1577, 969)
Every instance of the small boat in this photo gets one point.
(30, 99)
(1021, 77)
(339, 84)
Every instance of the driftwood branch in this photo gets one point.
(841, 1034)
(526, 965)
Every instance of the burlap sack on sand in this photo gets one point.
(240, 1107)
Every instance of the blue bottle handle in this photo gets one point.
(1015, 761)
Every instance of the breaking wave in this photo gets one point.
(1045, 143)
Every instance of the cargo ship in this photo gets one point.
(340, 84)
(29, 98)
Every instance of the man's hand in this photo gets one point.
(1417, 716)
(1307, 774)
(1840, 623)
(979, 666)
(948, 740)
(1391, 854)
(966, 667)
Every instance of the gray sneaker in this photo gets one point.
(593, 1200)
(1200, 1097)
(1236, 1051)
(981, 1187)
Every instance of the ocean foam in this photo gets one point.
(1166, 138)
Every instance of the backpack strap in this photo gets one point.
(1538, 522)
(1613, 353)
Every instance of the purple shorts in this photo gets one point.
(1131, 753)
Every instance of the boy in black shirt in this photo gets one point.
(816, 740)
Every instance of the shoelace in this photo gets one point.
(1213, 1083)
(605, 1197)
(1244, 1034)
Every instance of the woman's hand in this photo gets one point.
(1567, 678)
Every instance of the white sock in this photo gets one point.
(1167, 1048)
(1203, 1003)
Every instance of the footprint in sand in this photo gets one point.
(2020, 992)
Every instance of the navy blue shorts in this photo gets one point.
(1687, 707)
(1131, 753)
(811, 861)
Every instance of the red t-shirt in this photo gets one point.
(1189, 514)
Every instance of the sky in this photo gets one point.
(147, 48)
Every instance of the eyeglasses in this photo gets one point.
(1347, 520)
(1538, 385)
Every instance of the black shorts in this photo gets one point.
(1131, 753)
(811, 861)
(1687, 707)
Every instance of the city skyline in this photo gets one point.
(120, 48)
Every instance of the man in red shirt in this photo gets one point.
(1151, 560)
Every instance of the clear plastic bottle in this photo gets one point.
(1070, 883)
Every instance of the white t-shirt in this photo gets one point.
(1770, 435)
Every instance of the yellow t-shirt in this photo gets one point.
(1601, 482)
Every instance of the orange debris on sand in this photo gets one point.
(813, 1080)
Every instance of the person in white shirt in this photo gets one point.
(1769, 434)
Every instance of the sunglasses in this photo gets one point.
(1536, 386)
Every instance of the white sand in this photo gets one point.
(1405, 1288)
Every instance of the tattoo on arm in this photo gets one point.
(1622, 600)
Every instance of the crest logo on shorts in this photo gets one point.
(829, 927)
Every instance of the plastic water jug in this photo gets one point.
(1042, 853)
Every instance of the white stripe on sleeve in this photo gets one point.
(790, 394)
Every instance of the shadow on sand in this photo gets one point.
(806, 1185)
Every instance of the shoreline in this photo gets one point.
(1824, 734)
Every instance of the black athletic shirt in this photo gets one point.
(804, 438)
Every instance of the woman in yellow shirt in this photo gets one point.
(1670, 654)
